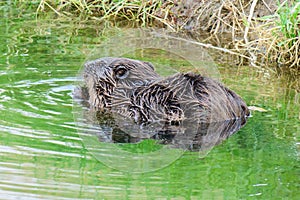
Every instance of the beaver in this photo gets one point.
(133, 89)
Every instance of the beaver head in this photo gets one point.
(103, 75)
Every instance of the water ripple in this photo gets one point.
(31, 114)
(25, 131)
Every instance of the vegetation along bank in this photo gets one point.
(265, 32)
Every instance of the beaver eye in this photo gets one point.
(121, 72)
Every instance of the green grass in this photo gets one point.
(289, 21)
(287, 34)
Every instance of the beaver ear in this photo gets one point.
(149, 64)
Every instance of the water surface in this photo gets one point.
(43, 157)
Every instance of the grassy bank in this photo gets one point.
(267, 32)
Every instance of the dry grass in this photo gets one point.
(275, 38)
(102, 9)
(263, 31)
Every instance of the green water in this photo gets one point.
(43, 157)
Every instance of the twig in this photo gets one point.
(253, 56)
(162, 21)
(58, 13)
(219, 21)
(209, 46)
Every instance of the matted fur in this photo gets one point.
(138, 92)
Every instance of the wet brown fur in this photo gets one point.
(133, 89)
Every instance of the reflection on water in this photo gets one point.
(188, 135)
(120, 143)
(43, 157)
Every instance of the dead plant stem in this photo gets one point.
(253, 56)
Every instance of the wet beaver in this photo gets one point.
(133, 89)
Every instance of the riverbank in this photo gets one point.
(266, 33)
